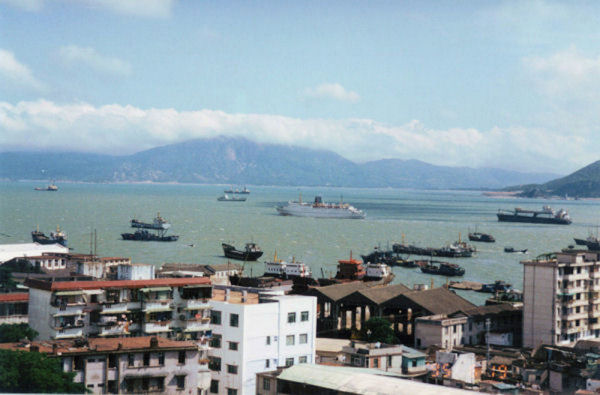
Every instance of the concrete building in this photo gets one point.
(174, 308)
(219, 274)
(47, 262)
(13, 308)
(254, 332)
(21, 250)
(561, 298)
(124, 365)
(135, 271)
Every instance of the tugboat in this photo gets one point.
(228, 198)
(481, 237)
(159, 225)
(546, 216)
(55, 237)
(251, 252)
(443, 268)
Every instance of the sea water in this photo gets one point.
(424, 218)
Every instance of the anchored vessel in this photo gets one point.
(545, 216)
(51, 187)
(159, 225)
(287, 270)
(481, 237)
(251, 252)
(55, 237)
(244, 191)
(319, 209)
(454, 250)
(228, 198)
(443, 268)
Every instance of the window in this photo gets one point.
(181, 357)
(233, 346)
(291, 318)
(389, 361)
(146, 383)
(112, 360)
(304, 316)
(289, 340)
(130, 359)
(375, 362)
(289, 362)
(214, 363)
(233, 369)
(234, 320)
(266, 384)
(267, 363)
(231, 391)
(161, 358)
(215, 317)
(180, 382)
(129, 384)
(303, 359)
(112, 386)
(214, 386)
(146, 359)
(215, 342)
(303, 338)
(414, 363)
(77, 363)
(268, 340)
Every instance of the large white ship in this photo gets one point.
(319, 209)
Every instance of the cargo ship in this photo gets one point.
(57, 237)
(545, 216)
(159, 225)
(251, 252)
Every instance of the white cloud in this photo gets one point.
(75, 55)
(16, 72)
(26, 5)
(117, 129)
(143, 8)
(331, 91)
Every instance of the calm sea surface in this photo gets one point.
(427, 218)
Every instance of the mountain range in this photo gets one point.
(225, 160)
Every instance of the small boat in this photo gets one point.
(443, 268)
(228, 198)
(144, 235)
(55, 237)
(51, 187)
(251, 252)
(512, 250)
(496, 286)
(481, 237)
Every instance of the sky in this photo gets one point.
(506, 84)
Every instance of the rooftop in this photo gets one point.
(14, 297)
(237, 297)
(79, 285)
(10, 251)
(97, 345)
(438, 300)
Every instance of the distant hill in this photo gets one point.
(239, 161)
(584, 182)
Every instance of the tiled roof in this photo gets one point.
(439, 300)
(336, 292)
(157, 282)
(96, 345)
(485, 310)
(14, 297)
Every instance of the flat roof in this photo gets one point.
(10, 251)
(219, 295)
(76, 285)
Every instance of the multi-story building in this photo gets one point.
(13, 308)
(253, 333)
(561, 298)
(169, 307)
(124, 365)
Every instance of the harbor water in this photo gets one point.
(424, 218)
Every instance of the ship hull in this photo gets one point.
(232, 253)
(147, 237)
(532, 220)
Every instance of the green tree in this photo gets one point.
(34, 372)
(18, 265)
(377, 330)
(10, 333)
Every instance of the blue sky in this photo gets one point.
(507, 84)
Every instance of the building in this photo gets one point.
(124, 365)
(13, 308)
(21, 250)
(174, 308)
(468, 327)
(47, 262)
(561, 298)
(135, 271)
(338, 380)
(254, 332)
(218, 274)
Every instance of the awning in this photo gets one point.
(158, 309)
(155, 289)
(68, 293)
(197, 286)
(120, 311)
(94, 292)
(194, 330)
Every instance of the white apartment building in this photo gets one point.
(561, 298)
(254, 333)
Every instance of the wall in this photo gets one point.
(538, 305)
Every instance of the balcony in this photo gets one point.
(196, 304)
(196, 326)
(116, 330)
(69, 332)
(156, 306)
(120, 308)
(68, 310)
(157, 327)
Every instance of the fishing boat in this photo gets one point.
(443, 268)
(54, 238)
(513, 250)
(481, 237)
(251, 252)
(319, 209)
(231, 198)
(545, 216)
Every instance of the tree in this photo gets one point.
(17, 265)
(34, 372)
(377, 330)
(10, 333)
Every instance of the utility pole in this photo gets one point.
(487, 340)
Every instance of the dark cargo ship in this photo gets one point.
(144, 235)
(251, 252)
(544, 216)
(443, 268)
(55, 237)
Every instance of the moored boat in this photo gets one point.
(251, 252)
(158, 223)
(545, 216)
(443, 268)
(54, 238)
(282, 269)
(481, 237)
(144, 235)
(231, 198)
(512, 249)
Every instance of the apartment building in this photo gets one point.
(170, 307)
(13, 308)
(124, 365)
(561, 302)
(254, 333)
